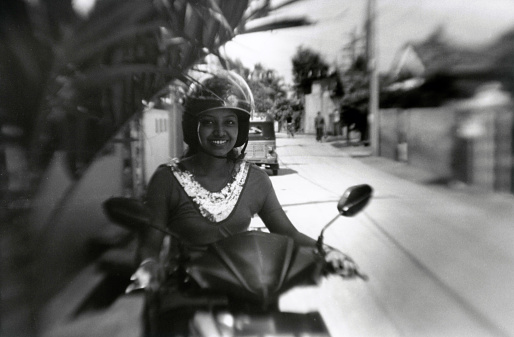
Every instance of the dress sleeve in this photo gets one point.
(157, 199)
(271, 202)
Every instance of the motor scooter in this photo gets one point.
(231, 287)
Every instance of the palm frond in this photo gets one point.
(133, 47)
(273, 23)
(106, 20)
(127, 50)
(104, 76)
(112, 40)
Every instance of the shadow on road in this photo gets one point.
(343, 144)
(286, 171)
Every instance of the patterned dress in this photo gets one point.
(200, 216)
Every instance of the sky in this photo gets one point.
(466, 22)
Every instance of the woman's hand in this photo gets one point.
(342, 264)
(146, 277)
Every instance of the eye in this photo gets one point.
(231, 122)
(206, 122)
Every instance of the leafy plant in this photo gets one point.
(308, 66)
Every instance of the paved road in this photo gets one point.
(440, 260)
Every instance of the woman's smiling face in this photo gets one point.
(217, 131)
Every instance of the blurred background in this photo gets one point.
(90, 105)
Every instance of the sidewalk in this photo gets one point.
(401, 170)
(364, 154)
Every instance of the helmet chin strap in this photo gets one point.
(243, 154)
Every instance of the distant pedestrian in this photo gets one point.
(290, 125)
(297, 119)
(319, 123)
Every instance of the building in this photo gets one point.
(449, 109)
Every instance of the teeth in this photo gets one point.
(219, 142)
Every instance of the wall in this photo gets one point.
(422, 137)
(485, 139)
(429, 135)
(162, 137)
(156, 138)
(466, 141)
(389, 133)
(484, 130)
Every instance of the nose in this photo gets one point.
(219, 130)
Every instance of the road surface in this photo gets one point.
(440, 260)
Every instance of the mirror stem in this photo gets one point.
(319, 243)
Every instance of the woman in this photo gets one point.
(212, 193)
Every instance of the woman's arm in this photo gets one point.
(277, 221)
(157, 200)
(149, 273)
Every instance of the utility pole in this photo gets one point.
(372, 69)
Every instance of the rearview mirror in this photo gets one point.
(354, 199)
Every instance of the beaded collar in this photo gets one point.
(214, 206)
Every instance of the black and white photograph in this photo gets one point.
(256, 168)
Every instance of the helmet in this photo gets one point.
(222, 89)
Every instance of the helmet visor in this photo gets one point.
(221, 89)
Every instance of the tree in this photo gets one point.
(308, 66)
(238, 67)
(264, 83)
(261, 95)
(268, 84)
(77, 80)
